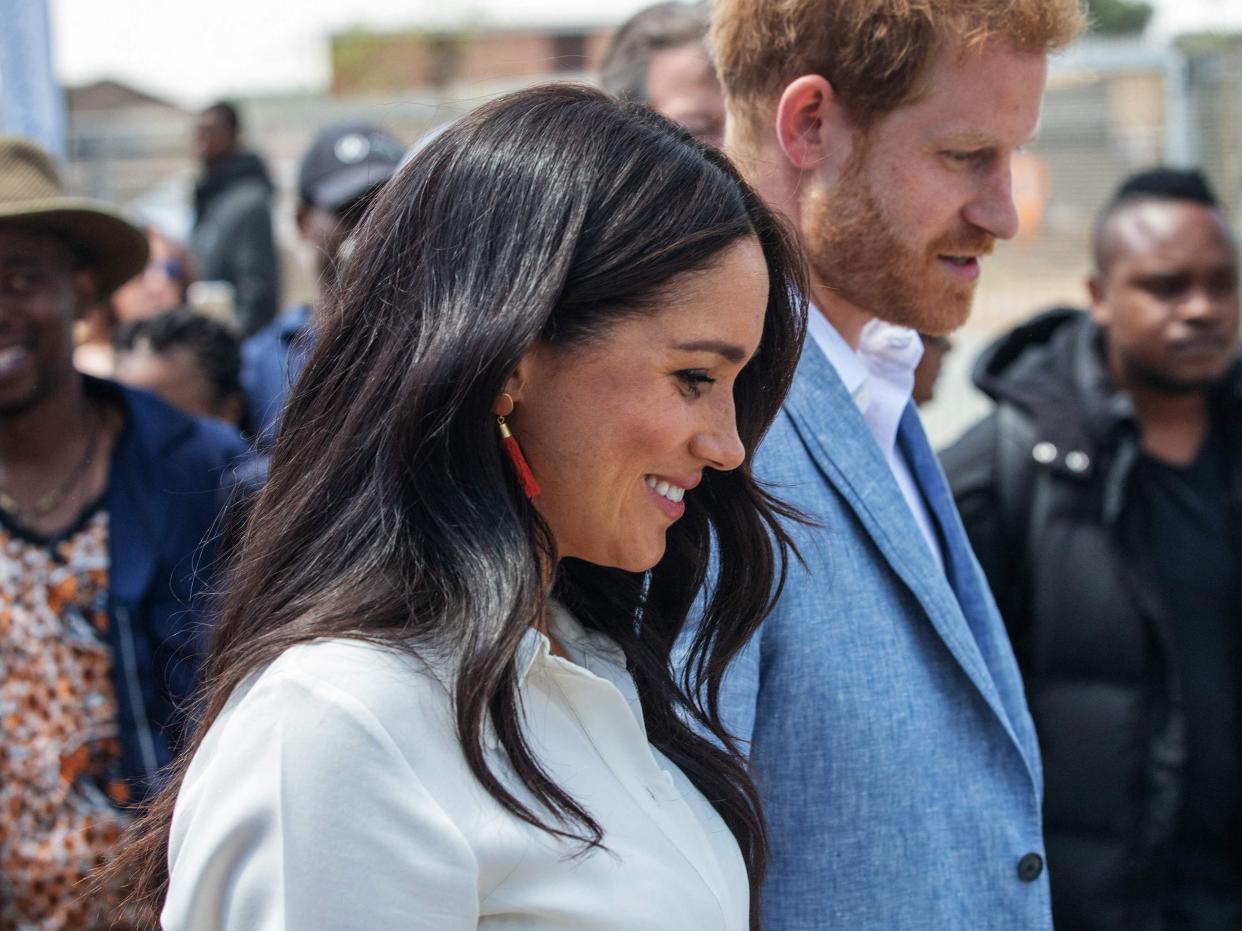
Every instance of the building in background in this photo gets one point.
(124, 143)
(417, 60)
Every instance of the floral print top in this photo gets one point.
(61, 793)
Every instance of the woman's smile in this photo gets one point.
(668, 495)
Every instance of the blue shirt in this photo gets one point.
(272, 360)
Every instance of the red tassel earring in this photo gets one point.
(526, 478)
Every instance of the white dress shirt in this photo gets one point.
(879, 375)
(331, 794)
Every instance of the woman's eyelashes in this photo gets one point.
(693, 381)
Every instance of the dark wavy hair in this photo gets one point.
(391, 514)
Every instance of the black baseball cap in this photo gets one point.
(345, 162)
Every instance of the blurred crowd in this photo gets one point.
(142, 385)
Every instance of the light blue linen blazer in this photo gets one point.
(880, 704)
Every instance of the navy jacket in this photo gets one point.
(167, 486)
(272, 360)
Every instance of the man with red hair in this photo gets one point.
(880, 703)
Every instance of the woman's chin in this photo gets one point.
(632, 561)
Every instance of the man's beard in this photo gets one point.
(44, 386)
(854, 249)
(1138, 374)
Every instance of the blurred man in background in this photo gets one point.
(1104, 498)
(106, 498)
(340, 173)
(658, 57)
(927, 373)
(159, 287)
(193, 362)
(232, 235)
(162, 285)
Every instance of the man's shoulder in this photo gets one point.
(780, 443)
(277, 334)
(233, 211)
(244, 192)
(794, 450)
(157, 431)
(970, 460)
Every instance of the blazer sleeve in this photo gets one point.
(300, 812)
(739, 687)
(739, 693)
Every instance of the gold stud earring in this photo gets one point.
(526, 478)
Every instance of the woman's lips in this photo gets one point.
(668, 495)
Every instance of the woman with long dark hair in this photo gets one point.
(441, 692)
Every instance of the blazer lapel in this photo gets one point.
(966, 578)
(840, 443)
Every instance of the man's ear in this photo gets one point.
(1101, 313)
(302, 219)
(811, 124)
(84, 284)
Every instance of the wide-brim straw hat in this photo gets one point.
(32, 196)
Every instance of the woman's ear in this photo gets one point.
(511, 393)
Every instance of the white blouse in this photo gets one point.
(332, 794)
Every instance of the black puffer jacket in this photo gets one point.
(1042, 485)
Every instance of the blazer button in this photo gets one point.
(1030, 867)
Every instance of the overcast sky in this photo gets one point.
(193, 50)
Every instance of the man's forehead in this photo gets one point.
(672, 70)
(981, 95)
(211, 121)
(1155, 223)
(17, 241)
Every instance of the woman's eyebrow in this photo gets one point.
(731, 352)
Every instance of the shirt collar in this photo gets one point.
(586, 648)
(885, 351)
(844, 359)
(890, 352)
